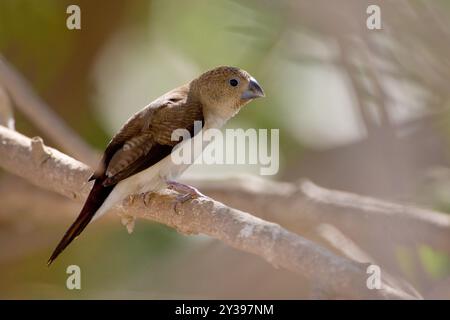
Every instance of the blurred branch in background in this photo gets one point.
(351, 250)
(6, 110)
(42, 115)
(397, 78)
(360, 110)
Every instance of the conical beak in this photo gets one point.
(253, 91)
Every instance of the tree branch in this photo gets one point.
(50, 169)
(351, 250)
(303, 206)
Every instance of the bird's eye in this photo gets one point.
(234, 82)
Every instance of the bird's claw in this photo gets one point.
(131, 199)
(182, 198)
(129, 222)
(187, 193)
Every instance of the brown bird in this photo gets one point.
(138, 158)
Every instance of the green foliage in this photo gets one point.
(435, 262)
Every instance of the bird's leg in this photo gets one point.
(187, 192)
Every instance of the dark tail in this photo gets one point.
(96, 197)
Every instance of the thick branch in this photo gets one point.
(49, 168)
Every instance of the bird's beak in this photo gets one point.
(253, 91)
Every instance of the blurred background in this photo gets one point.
(365, 111)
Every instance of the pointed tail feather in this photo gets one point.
(96, 197)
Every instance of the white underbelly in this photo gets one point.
(151, 179)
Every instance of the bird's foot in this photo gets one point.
(186, 193)
(184, 188)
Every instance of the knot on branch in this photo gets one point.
(39, 153)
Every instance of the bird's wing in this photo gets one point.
(154, 142)
(145, 138)
(132, 128)
(143, 141)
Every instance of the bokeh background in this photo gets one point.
(365, 111)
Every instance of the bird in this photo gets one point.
(138, 157)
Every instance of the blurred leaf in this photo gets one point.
(435, 263)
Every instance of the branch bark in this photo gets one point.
(53, 170)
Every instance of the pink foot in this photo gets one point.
(187, 192)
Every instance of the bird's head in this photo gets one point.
(224, 90)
